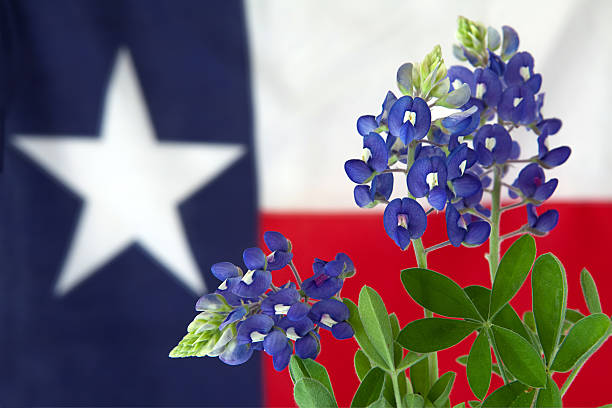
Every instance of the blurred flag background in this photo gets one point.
(147, 140)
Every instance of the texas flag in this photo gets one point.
(145, 140)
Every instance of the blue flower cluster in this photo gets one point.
(247, 312)
(450, 162)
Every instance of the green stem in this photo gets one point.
(396, 390)
(432, 358)
(495, 217)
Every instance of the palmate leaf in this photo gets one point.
(370, 389)
(375, 320)
(519, 357)
(308, 368)
(479, 366)
(434, 334)
(589, 291)
(549, 396)
(549, 297)
(362, 364)
(512, 272)
(579, 340)
(514, 394)
(438, 293)
(362, 338)
(310, 393)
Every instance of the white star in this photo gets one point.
(131, 184)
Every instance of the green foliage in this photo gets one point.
(362, 364)
(549, 293)
(438, 293)
(299, 368)
(512, 272)
(514, 394)
(581, 337)
(479, 366)
(434, 334)
(361, 336)
(419, 377)
(589, 290)
(370, 389)
(410, 359)
(519, 357)
(414, 401)
(311, 393)
(549, 396)
(440, 390)
(375, 320)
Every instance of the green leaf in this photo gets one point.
(509, 319)
(397, 349)
(419, 377)
(464, 358)
(440, 390)
(529, 320)
(479, 295)
(380, 403)
(519, 357)
(387, 392)
(479, 366)
(370, 388)
(375, 319)
(414, 401)
(438, 293)
(410, 359)
(573, 316)
(549, 297)
(512, 272)
(308, 368)
(589, 290)
(362, 364)
(550, 397)
(434, 333)
(362, 338)
(509, 395)
(311, 393)
(579, 340)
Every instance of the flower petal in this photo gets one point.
(547, 221)
(307, 346)
(254, 258)
(366, 124)
(275, 342)
(342, 330)
(275, 241)
(477, 233)
(235, 354)
(358, 171)
(225, 270)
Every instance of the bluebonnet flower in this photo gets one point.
(281, 250)
(254, 330)
(235, 354)
(328, 277)
(496, 64)
(487, 86)
(533, 185)
(301, 331)
(404, 219)
(257, 279)
(381, 189)
(409, 119)
(518, 105)
(369, 123)
(519, 71)
(510, 42)
(459, 75)
(427, 177)
(374, 160)
(279, 347)
(464, 183)
(230, 275)
(541, 224)
(554, 157)
(465, 229)
(331, 314)
(462, 123)
(280, 302)
(493, 144)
